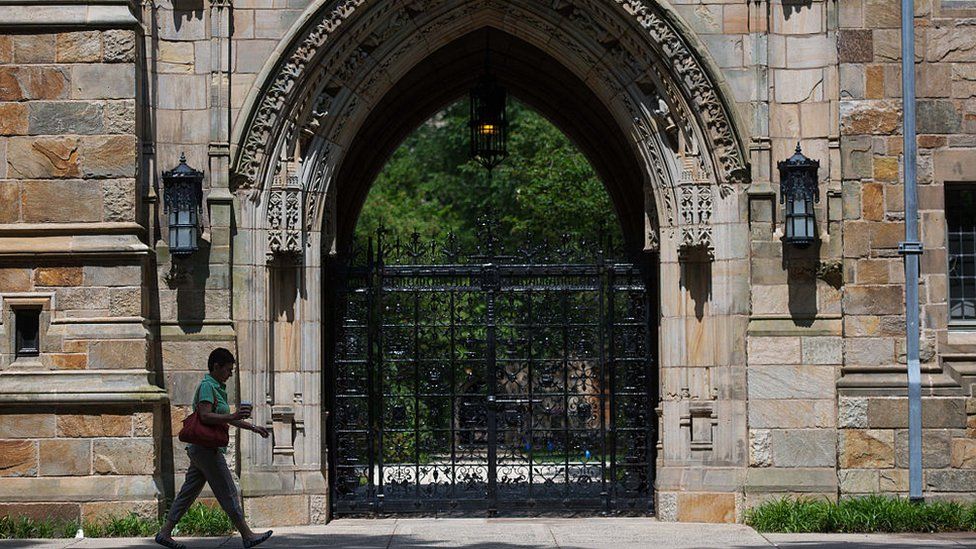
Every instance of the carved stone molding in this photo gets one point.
(286, 88)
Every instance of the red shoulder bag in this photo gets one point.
(199, 433)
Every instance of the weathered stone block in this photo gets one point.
(46, 157)
(40, 82)
(117, 354)
(886, 168)
(18, 458)
(855, 46)
(9, 198)
(40, 511)
(125, 302)
(13, 119)
(951, 43)
(893, 480)
(120, 117)
(103, 81)
(109, 156)
(874, 300)
(715, 508)
(804, 448)
(963, 454)
(935, 449)
(822, 350)
(6, 49)
(142, 424)
(774, 350)
(852, 413)
(119, 200)
(123, 457)
(951, 480)
(120, 46)
(65, 457)
(277, 510)
(98, 511)
(862, 449)
(760, 448)
(858, 481)
(870, 117)
(61, 201)
(874, 82)
(27, 425)
(79, 47)
(116, 275)
(94, 425)
(63, 117)
(937, 413)
(938, 116)
(799, 85)
(869, 351)
(791, 414)
(85, 299)
(34, 48)
(772, 382)
(14, 279)
(58, 276)
(68, 361)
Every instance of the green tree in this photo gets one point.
(546, 187)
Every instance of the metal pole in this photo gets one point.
(911, 249)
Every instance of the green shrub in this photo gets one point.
(860, 515)
(200, 520)
(204, 520)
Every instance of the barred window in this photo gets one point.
(961, 220)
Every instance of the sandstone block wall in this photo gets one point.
(872, 436)
(78, 422)
(92, 113)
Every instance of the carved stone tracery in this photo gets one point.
(697, 86)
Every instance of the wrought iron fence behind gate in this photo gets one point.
(521, 383)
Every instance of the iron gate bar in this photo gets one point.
(520, 303)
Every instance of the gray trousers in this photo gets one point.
(207, 467)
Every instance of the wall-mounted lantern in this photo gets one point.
(182, 201)
(489, 121)
(799, 190)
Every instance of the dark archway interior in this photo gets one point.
(532, 76)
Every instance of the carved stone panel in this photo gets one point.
(286, 234)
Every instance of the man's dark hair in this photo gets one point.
(220, 356)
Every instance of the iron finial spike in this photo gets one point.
(798, 149)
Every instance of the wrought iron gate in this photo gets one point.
(492, 383)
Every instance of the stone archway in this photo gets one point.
(648, 110)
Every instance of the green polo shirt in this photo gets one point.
(215, 393)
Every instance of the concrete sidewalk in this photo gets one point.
(583, 533)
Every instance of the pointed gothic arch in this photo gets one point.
(353, 77)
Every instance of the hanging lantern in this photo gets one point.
(489, 123)
(799, 190)
(182, 199)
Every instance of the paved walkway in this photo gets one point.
(584, 533)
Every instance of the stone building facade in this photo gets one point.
(782, 371)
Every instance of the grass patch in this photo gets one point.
(861, 515)
(199, 521)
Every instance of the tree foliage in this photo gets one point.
(546, 187)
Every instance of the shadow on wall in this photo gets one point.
(794, 6)
(801, 266)
(186, 10)
(696, 278)
(191, 294)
